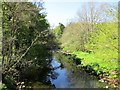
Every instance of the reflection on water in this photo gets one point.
(72, 78)
(61, 80)
(65, 75)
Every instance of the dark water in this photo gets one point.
(70, 77)
(65, 74)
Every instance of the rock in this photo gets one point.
(106, 86)
(72, 71)
(101, 80)
(22, 83)
(114, 73)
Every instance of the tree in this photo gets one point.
(58, 31)
(25, 34)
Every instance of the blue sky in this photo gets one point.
(65, 10)
(61, 12)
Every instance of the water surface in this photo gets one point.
(71, 77)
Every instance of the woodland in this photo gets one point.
(28, 41)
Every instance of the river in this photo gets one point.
(68, 76)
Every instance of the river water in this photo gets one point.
(65, 74)
(68, 76)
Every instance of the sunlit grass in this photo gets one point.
(106, 66)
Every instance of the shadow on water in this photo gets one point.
(66, 75)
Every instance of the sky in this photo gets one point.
(63, 11)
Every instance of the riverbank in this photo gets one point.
(71, 76)
(104, 70)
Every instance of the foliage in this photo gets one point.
(27, 41)
(102, 46)
(76, 35)
(96, 43)
(58, 31)
(3, 87)
(97, 63)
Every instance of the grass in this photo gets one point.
(98, 64)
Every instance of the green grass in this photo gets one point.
(106, 66)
